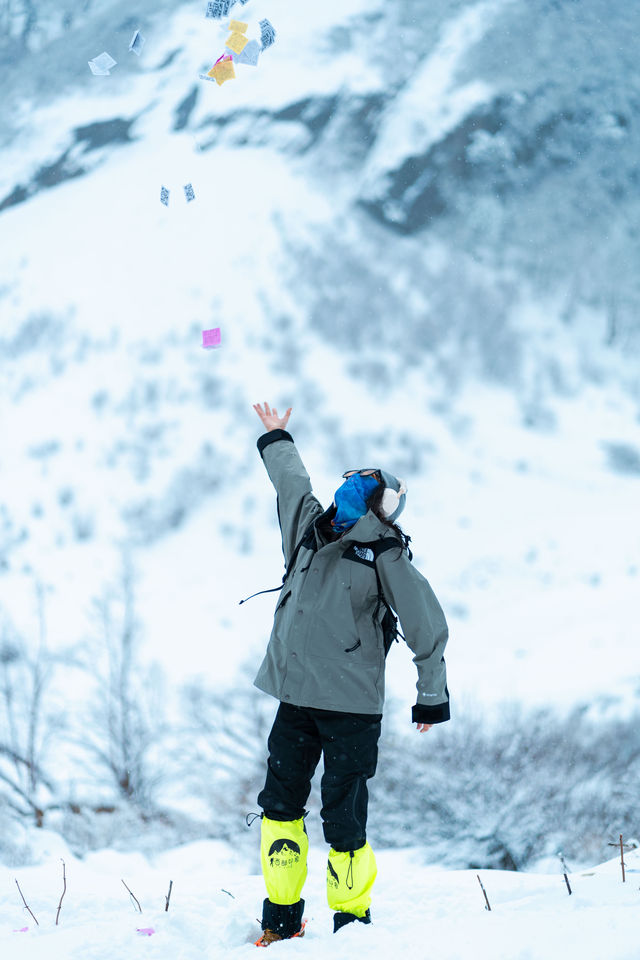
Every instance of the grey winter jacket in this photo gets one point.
(325, 649)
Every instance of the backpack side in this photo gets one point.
(389, 622)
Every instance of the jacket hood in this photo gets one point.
(395, 495)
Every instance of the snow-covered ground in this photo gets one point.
(418, 909)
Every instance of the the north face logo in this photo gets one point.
(365, 553)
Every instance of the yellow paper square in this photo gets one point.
(237, 42)
(237, 26)
(223, 71)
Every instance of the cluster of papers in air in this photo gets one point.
(239, 49)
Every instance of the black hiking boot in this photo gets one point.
(342, 919)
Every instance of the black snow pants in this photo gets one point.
(349, 744)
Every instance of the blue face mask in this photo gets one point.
(350, 500)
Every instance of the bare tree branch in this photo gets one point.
(133, 897)
(26, 904)
(64, 890)
(36, 810)
(486, 898)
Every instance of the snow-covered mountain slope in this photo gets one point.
(214, 901)
(479, 361)
(122, 430)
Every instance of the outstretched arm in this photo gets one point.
(297, 506)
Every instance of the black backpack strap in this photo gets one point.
(384, 544)
(379, 547)
(308, 541)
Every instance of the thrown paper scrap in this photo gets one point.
(100, 66)
(145, 931)
(268, 34)
(222, 70)
(237, 42)
(188, 192)
(237, 26)
(211, 338)
(137, 43)
(164, 196)
(250, 54)
(217, 9)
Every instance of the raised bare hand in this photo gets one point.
(270, 417)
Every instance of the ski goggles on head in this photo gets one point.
(367, 472)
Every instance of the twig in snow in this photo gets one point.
(566, 871)
(132, 895)
(488, 905)
(64, 889)
(26, 904)
(168, 896)
(623, 846)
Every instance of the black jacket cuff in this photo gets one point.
(271, 436)
(436, 714)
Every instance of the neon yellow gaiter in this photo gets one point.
(283, 851)
(350, 877)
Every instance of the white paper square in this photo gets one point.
(250, 54)
(137, 43)
(100, 66)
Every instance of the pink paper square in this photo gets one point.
(211, 338)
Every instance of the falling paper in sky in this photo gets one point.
(218, 8)
(137, 43)
(188, 192)
(211, 338)
(268, 34)
(222, 70)
(237, 42)
(164, 196)
(101, 66)
(250, 54)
